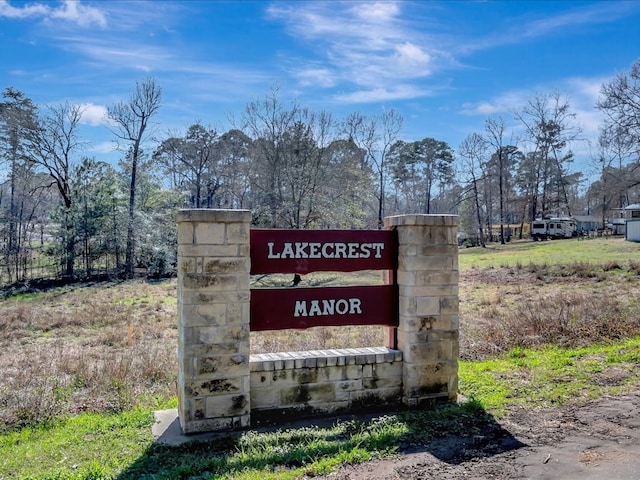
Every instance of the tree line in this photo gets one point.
(74, 216)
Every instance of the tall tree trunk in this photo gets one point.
(131, 238)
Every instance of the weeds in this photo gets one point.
(569, 306)
(112, 347)
(65, 352)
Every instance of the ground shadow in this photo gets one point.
(453, 433)
(485, 437)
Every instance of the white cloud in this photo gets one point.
(508, 102)
(412, 58)
(376, 12)
(139, 57)
(515, 30)
(104, 147)
(398, 92)
(94, 115)
(323, 77)
(32, 10)
(362, 46)
(69, 10)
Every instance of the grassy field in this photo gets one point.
(84, 367)
(598, 251)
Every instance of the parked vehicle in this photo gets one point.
(553, 228)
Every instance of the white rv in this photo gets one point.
(552, 228)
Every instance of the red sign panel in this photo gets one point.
(279, 309)
(304, 251)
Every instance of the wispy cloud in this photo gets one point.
(580, 93)
(519, 29)
(506, 103)
(110, 51)
(72, 11)
(397, 92)
(364, 49)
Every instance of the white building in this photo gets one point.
(632, 223)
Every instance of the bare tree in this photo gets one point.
(131, 121)
(53, 146)
(192, 163)
(267, 121)
(620, 101)
(375, 135)
(17, 115)
(495, 132)
(550, 128)
(472, 150)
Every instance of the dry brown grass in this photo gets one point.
(570, 306)
(109, 346)
(106, 347)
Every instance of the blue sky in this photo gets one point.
(445, 66)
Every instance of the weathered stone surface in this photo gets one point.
(426, 306)
(217, 282)
(426, 263)
(227, 405)
(196, 297)
(213, 251)
(209, 215)
(208, 350)
(222, 384)
(204, 315)
(185, 234)
(308, 393)
(213, 306)
(226, 265)
(223, 366)
(209, 233)
(238, 233)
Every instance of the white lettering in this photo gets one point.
(355, 306)
(300, 246)
(341, 250)
(314, 250)
(328, 307)
(287, 251)
(300, 310)
(351, 250)
(342, 306)
(271, 254)
(325, 248)
(315, 309)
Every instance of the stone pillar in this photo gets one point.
(427, 280)
(213, 319)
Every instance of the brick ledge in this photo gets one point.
(265, 362)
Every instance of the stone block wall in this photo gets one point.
(222, 387)
(293, 385)
(213, 319)
(427, 333)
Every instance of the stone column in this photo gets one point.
(213, 319)
(427, 280)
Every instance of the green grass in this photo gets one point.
(597, 251)
(120, 446)
(79, 447)
(551, 375)
(93, 446)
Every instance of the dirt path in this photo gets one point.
(597, 441)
